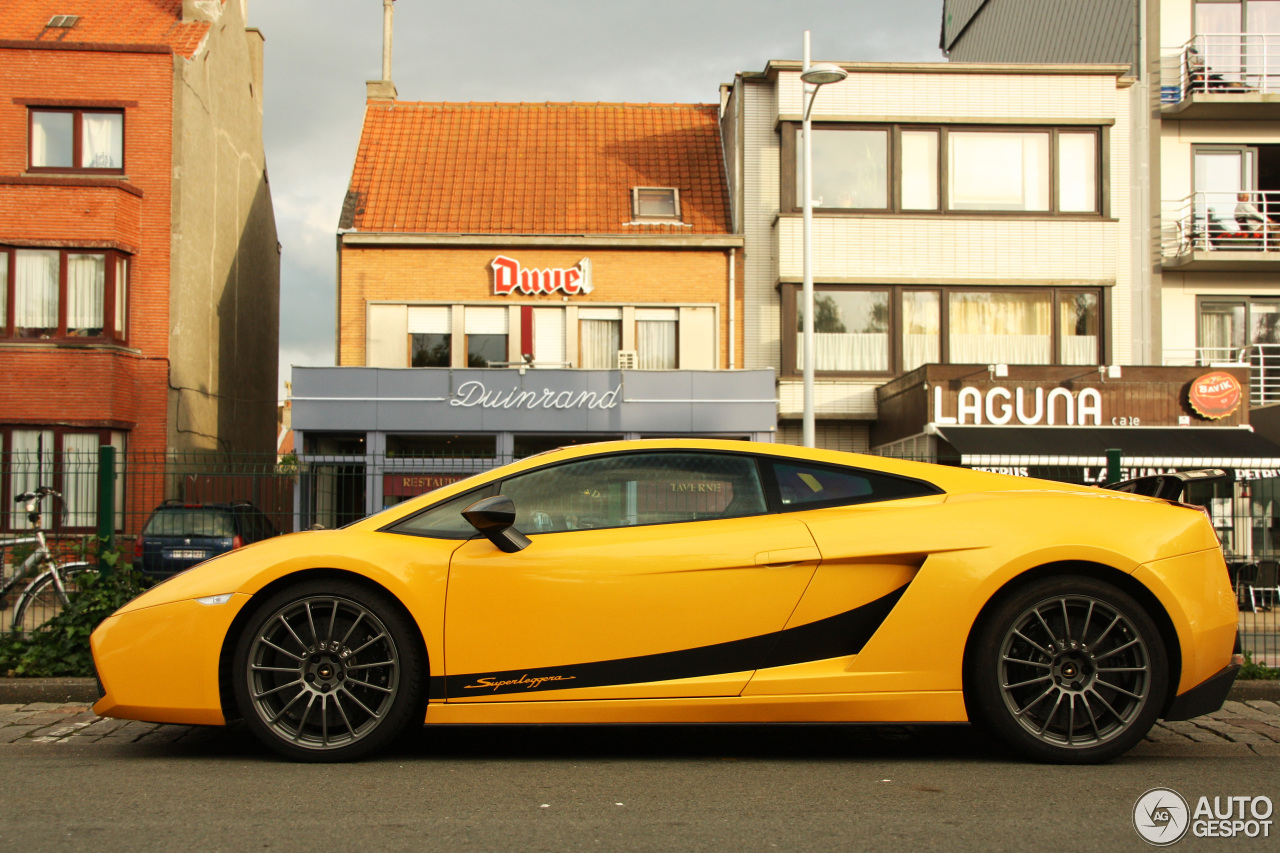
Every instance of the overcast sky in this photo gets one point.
(319, 53)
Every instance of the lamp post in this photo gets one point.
(814, 77)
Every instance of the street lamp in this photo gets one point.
(813, 77)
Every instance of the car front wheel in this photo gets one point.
(328, 671)
(1069, 670)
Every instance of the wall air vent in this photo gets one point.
(627, 359)
(63, 21)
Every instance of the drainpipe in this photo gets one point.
(733, 308)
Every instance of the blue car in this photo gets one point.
(177, 536)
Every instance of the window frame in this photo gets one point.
(110, 289)
(77, 139)
(52, 511)
(789, 292)
(655, 217)
(790, 203)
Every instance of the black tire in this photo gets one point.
(1069, 670)
(329, 670)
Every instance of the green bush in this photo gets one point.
(1255, 671)
(61, 648)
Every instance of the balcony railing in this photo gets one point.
(1221, 222)
(1263, 361)
(1245, 63)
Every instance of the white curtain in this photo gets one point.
(80, 478)
(1001, 349)
(1009, 328)
(920, 349)
(86, 277)
(656, 342)
(1080, 349)
(865, 351)
(122, 296)
(998, 171)
(51, 139)
(601, 340)
(4, 291)
(30, 466)
(35, 299)
(102, 135)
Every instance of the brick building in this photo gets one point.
(139, 268)
(515, 277)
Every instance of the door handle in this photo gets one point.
(785, 557)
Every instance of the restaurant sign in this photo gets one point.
(999, 406)
(509, 277)
(408, 485)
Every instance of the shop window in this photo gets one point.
(989, 169)
(864, 329)
(66, 460)
(655, 203)
(71, 139)
(532, 445)
(59, 293)
(486, 331)
(851, 331)
(657, 338)
(600, 338)
(443, 446)
(333, 443)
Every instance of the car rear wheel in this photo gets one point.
(1069, 670)
(328, 671)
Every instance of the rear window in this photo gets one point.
(190, 522)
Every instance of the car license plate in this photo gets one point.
(188, 555)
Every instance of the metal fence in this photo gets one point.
(296, 492)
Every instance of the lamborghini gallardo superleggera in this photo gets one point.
(691, 581)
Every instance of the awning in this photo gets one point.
(1145, 447)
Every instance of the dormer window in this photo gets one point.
(655, 203)
(62, 22)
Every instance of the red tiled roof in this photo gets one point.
(534, 168)
(116, 22)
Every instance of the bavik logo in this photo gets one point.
(509, 277)
(1215, 395)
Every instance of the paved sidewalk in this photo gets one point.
(1248, 727)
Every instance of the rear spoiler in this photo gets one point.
(1169, 487)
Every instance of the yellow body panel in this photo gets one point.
(733, 590)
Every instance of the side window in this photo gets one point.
(444, 520)
(633, 489)
(806, 486)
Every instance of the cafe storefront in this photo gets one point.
(369, 437)
(1058, 423)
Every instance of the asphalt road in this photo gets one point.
(604, 788)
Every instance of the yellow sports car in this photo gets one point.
(698, 581)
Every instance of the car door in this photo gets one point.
(653, 574)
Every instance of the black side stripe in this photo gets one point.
(843, 634)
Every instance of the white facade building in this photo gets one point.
(975, 214)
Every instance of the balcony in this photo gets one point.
(1222, 77)
(1262, 360)
(1222, 232)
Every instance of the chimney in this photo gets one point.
(384, 89)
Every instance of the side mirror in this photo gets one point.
(494, 518)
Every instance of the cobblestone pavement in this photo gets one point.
(1252, 725)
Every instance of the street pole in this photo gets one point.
(807, 95)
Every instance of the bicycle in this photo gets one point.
(52, 581)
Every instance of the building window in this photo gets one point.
(430, 336)
(69, 139)
(486, 330)
(61, 293)
(66, 460)
(900, 169)
(655, 203)
(864, 329)
(1229, 324)
(656, 338)
(600, 337)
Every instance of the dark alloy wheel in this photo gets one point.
(1069, 670)
(328, 671)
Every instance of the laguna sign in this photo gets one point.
(509, 277)
(1029, 407)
